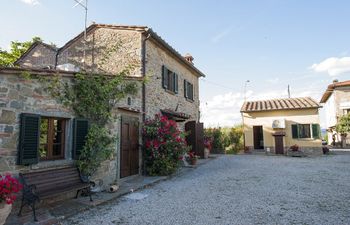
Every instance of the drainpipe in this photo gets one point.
(143, 73)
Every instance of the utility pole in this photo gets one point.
(245, 90)
(85, 7)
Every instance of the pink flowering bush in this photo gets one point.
(9, 186)
(164, 146)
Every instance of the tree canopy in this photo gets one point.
(343, 125)
(8, 58)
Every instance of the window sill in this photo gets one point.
(170, 92)
(306, 139)
(189, 100)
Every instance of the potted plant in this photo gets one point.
(207, 146)
(192, 158)
(9, 186)
(295, 151)
(294, 148)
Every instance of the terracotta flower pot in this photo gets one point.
(193, 161)
(5, 210)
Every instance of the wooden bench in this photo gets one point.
(49, 183)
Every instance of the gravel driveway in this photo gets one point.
(241, 189)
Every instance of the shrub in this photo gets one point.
(98, 148)
(223, 138)
(164, 146)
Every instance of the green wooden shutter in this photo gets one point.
(165, 77)
(191, 91)
(28, 148)
(295, 132)
(80, 130)
(316, 131)
(176, 84)
(185, 89)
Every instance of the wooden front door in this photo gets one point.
(258, 137)
(279, 147)
(129, 149)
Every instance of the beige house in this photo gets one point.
(275, 125)
(171, 89)
(336, 103)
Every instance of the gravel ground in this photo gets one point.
(242, 189)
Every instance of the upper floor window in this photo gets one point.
(306, 131)
(188, 90)
(169, 80)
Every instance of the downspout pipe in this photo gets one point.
(143, 73)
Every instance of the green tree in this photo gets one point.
(8, 58)
(343, 127)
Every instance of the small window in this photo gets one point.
(304, 131)
(169, 80)
(52, 138)
(188, 90)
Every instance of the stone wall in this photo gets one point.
(157, 97)
(108, 51)
(22, 95)
(41, 56)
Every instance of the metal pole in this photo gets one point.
(245, 90)
(85, 38)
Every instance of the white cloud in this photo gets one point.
(221, 35)
(31, 2)
(224, 109)
(273, 80)
(333, 66)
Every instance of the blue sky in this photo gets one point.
(272, 43)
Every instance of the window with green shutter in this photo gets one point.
(170, 80)
(80, 130)
(306, 131)
(188, 90)
(29, 139)
(295, 134)
(316, 131)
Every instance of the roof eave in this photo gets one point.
(165, 45)
(270, 110)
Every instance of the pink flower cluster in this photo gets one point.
(163, 138)
(9, 186)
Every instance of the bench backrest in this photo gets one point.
(53, 180)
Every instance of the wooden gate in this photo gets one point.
(129, 149)
(195, 137)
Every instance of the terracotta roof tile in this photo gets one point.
(279, 104)
(331, 87)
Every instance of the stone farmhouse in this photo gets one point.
(171, 89)
(336, 101)
(275, 125)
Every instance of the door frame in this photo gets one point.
(261, 131)
(134, 118)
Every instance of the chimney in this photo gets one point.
(335, 81)
(189, 58)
